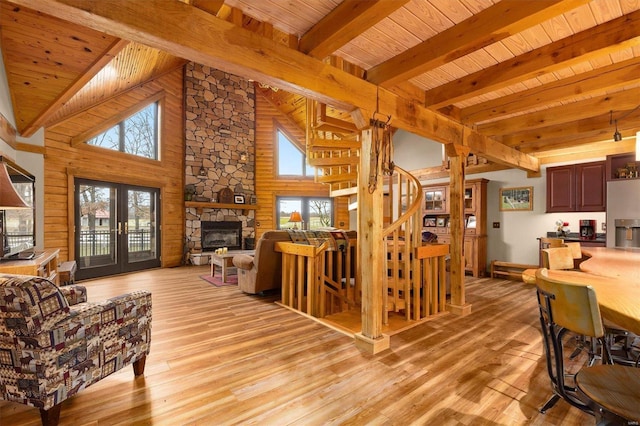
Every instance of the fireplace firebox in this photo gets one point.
(217, 234)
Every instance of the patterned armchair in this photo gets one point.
(53, 343)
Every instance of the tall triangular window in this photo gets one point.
(136, 135)
(291, 160)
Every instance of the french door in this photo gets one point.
(117, 228)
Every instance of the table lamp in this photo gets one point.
(295, 218)
(9, 198)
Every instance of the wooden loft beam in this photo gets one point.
(344, 23)
(601, 40)
(188, 32)
(610, 77)
(489, 26)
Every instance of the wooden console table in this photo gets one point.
(44, 264)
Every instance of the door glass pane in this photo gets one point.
(97, 236)
(140, 225)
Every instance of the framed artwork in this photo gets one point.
(516, 199)
(429, 221)
(471, 222)
(238, 199)
(441, 221)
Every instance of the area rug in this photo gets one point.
(217, 280)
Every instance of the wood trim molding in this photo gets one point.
(109, 176)
(7, 132)
(27, 147)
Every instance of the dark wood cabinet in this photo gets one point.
(622, 166)
(591, 187)
(561, 193)
(577, 188)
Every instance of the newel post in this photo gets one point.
(457, 155)
(371, 250)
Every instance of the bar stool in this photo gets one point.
(566, 308)
(614, 392)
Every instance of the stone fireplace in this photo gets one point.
(215, 235)
(219, 154)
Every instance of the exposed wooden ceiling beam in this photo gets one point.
(603, 39)
(587, 151)
(79, 83)
(211, 6)
(610, 77)
(571, 134)
(489, 26)
(344, 23)
(624, 100)
(191, 33)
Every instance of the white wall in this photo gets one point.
(516, 239)
(33, 163)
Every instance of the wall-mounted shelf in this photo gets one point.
(209, 205)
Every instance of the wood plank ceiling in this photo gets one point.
(547, 78)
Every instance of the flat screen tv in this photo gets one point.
(17, 226)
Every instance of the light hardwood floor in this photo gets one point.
(221, 357)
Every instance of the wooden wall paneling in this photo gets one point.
(268, 186)
(63, 162)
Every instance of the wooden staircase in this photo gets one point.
(333, 149)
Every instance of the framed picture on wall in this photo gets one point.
(238, 199)
(516, 199)
(429, 221)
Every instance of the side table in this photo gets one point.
(225, 261)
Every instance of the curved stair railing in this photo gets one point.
(402, 236)
(333, 148)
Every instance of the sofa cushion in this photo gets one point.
(32, 304)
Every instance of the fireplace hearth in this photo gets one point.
(217, 234)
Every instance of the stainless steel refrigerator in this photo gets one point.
(623, 202)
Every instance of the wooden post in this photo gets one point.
(371, 251)
(457, 156)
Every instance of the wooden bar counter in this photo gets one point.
(615, 275)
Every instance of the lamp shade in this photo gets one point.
(295, 217)
(9, 198)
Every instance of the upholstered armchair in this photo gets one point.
(262, 271)
(53, 343)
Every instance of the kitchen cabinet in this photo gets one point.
(577, 188)
(436, 220)
(622, 166)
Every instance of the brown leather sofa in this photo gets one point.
(263, 271)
